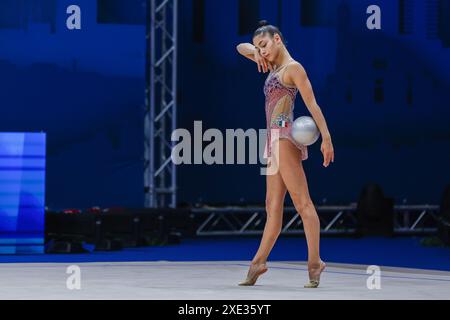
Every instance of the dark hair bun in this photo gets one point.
(263, 23)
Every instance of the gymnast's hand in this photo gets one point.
(328, 151)
(263, 64)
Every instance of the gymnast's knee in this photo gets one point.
(303, 208)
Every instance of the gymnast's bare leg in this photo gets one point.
(289, 177)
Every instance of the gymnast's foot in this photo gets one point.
(314, 274)
(256, 269)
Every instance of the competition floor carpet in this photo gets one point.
(211, 269)
(214, 280)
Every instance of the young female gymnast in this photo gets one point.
(286, 78)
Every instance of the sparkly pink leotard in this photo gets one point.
(280, 101)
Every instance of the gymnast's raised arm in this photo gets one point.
(251, 52)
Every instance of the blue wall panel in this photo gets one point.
(22, 192)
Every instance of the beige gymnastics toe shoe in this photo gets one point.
(314, 275)
(253, 273)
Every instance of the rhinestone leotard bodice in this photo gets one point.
(280, 101)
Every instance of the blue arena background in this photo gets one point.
(385, 94)
(22, 192)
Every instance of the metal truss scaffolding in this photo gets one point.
(334, 220)
(160, 104)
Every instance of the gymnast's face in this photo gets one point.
(268, 46)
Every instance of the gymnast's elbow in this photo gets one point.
(239, 48)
